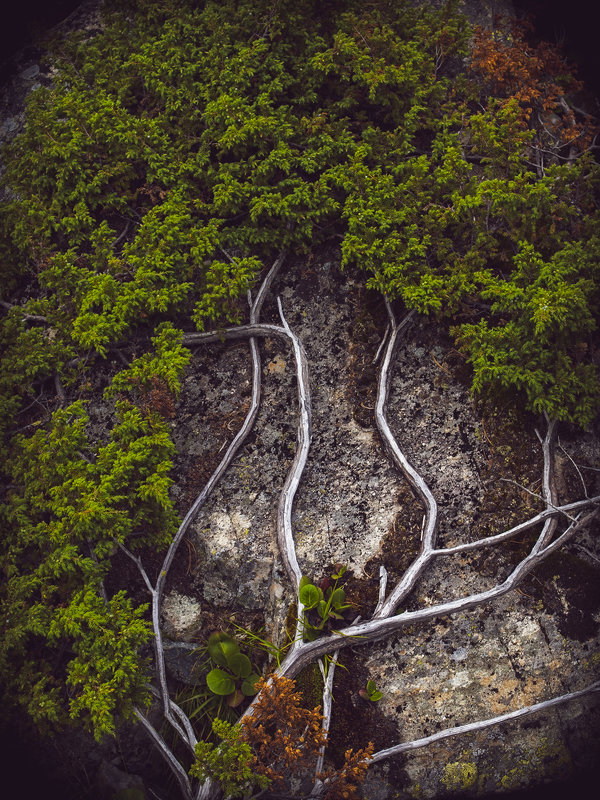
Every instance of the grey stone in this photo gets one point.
(114, 784)
(351, 500)
(182, 616)
(30, 72)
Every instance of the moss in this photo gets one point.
(460, 775)
(549, 761)
(593, 661)
(310, 684)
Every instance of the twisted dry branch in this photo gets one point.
(385, 621)
(484, 723)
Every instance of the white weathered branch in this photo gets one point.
(480, 725)
(423, 492)
(284, 528)
(167, 754)
(548, 485)
(169, 707)
(328, 676)
(284, 511)
(238, 440)
(375, 629)
(554, 511)
(383, 577)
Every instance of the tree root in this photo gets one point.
(384, 621)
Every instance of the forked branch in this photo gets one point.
(385, 621)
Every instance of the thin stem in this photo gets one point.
(579, 505)
(576, 468)
(548, 485)
(327, 703)
(285, 535)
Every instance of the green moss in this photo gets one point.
(549, 760)
(310, 684)
(460, 775)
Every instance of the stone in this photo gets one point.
(113, 783)
(182, 616)
(30, 73)
(352, 507)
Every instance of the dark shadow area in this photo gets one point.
(573, 26)
(22, 23)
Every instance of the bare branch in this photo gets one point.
(188, 519)
(284, 511)
(588, 553)
(579, 505)
(585, 492)
(383, 576)
(327, 701)
(482, 724)
(60, 391)
(191, 736)
(138, 562)
(285, 536)
(381, 346)
(169, 707)
(411, 576)
(379, 628)
(165, 751)
(122, 235)
(265, 286)
(548, 484)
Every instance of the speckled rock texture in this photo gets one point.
(482, 462)
(354, 508)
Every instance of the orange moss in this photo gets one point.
(286, 738)
(537, 76)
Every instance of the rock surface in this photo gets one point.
(354, 508)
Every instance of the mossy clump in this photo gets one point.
(460, 775)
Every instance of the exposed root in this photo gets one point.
(384, 621)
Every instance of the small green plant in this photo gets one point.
(253, 639)
(371, 693)
(229, 762)
(322, 603)
(203, 706)
(237, 679)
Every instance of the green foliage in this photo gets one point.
(106, 675)
(168, 362)
(29, 355)
(371, 692)
(173, 154)
(322, 605)
(542, 319)
(484, 224)
(69, 504)
(229, 762)
(237, 680)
